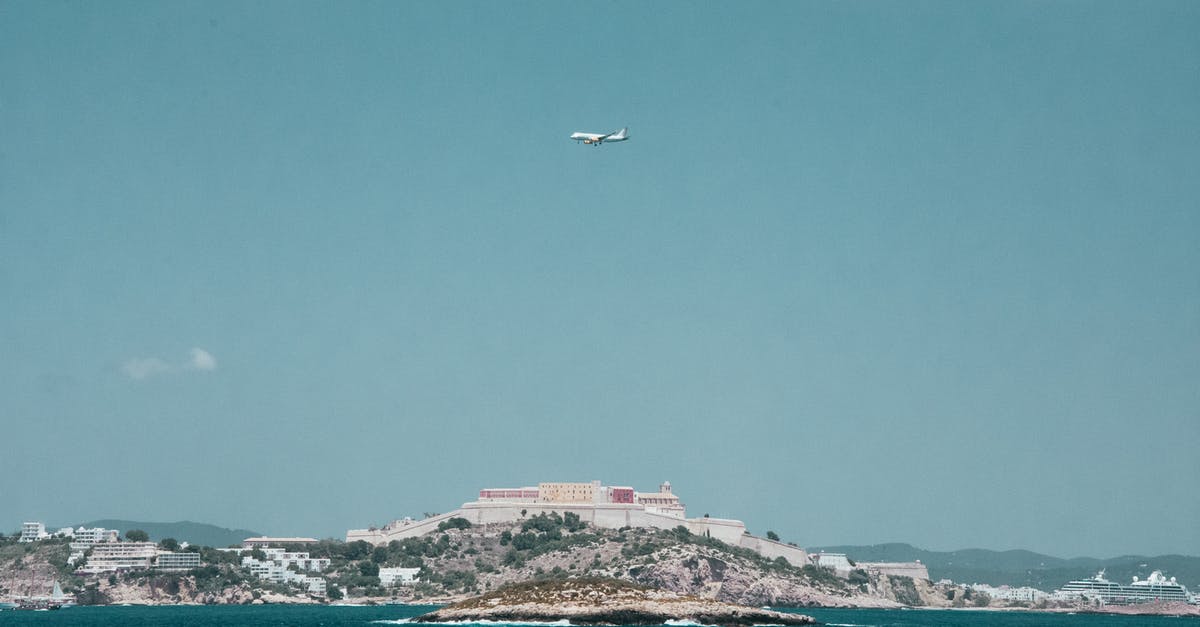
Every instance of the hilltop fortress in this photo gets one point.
(610, 507)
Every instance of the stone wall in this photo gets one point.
(916, 570)
(771, 549)
(400, 529)
(723, 529)
(605, 515)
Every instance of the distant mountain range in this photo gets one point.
(1024, 568)
(185, 531)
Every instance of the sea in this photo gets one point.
(347, 615)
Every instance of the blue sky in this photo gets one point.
(865, 272)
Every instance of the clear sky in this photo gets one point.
(866, 272)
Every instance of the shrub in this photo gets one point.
(454, 523)
(573, 523)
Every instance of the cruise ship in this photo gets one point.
(1156, 587)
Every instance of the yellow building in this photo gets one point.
(568, 492)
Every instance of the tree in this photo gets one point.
(774, 537)
(380, 554)
(137, 535)
(169, 544)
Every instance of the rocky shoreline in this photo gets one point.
(604, 602)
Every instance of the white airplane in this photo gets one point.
(597, 138)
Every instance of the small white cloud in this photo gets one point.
(144, 368)
(203, 360)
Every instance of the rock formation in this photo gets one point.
(592, 601)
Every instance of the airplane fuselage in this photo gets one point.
(600, 138)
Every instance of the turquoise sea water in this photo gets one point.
(337, 616)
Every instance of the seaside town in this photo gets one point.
(397, 561)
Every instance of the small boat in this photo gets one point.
(56, 600)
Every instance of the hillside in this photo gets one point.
(32, 569)
(461, 560)
(1024, 568)
(183, 531)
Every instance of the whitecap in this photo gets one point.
(562, 622)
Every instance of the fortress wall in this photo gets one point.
(607, 515)
(370, 535)
(770, 549)
(398, 530)
(723, 529)
(643, 518)
(612, 518)
(916, 570)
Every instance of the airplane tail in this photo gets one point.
(621, 134)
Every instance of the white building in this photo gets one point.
(279, 565)
(1007, 593)
(84, 539)
(169, 561)
(264, 542)
(120, 556)
(33, 532)
(314, 585)
(95, 535)
(397, 576)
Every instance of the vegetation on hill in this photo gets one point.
(464, 559)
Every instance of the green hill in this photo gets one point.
(1024, 568)
(184, 531)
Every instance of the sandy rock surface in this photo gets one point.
(604, 602)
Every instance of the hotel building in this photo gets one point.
(120, 556)
(174, 562)
(33, 532)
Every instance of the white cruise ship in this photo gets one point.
(1156, 587)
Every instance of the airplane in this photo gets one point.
(596, 138)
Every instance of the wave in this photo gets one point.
(563, 622)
